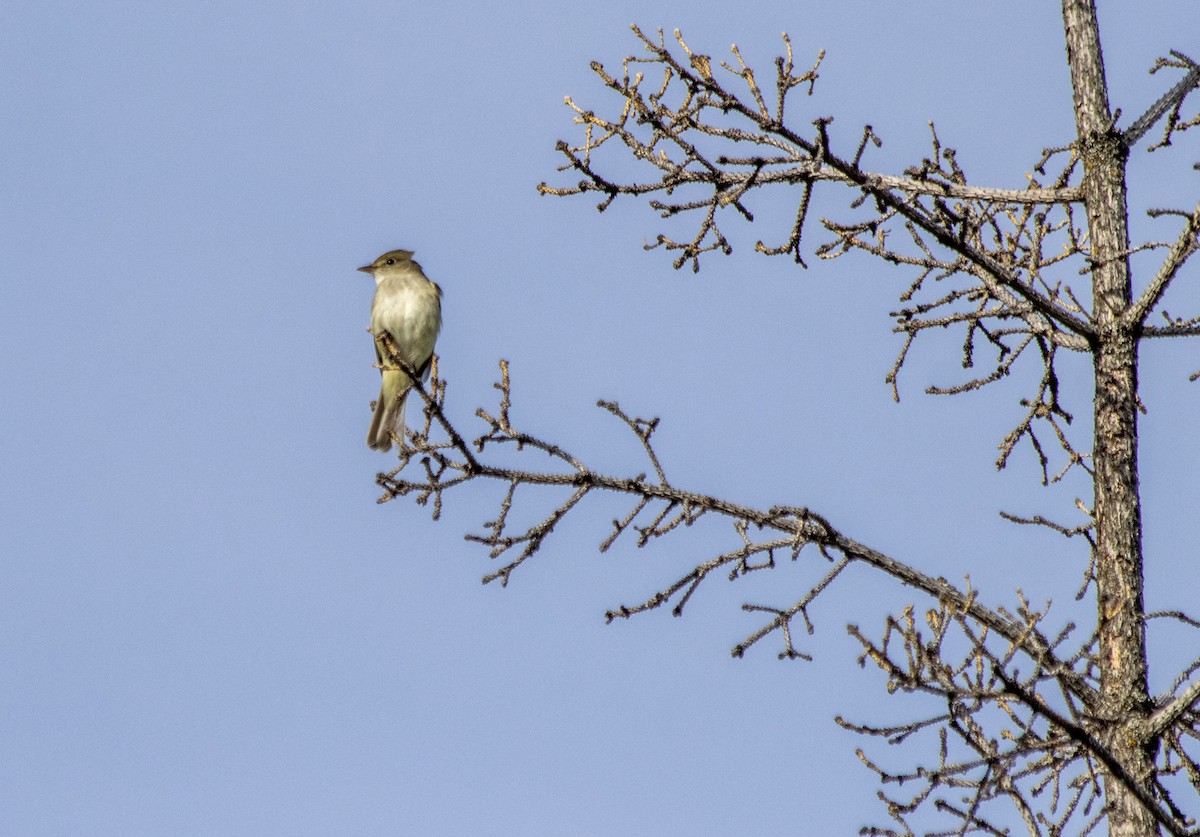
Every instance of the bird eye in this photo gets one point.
(391, 261)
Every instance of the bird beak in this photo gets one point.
(367, 268)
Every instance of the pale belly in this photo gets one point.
(408, 310)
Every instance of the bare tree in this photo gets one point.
(1057, 731)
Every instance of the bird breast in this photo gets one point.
(408, 308)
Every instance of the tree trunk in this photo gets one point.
(1124, 698)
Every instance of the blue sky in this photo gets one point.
(208, 626)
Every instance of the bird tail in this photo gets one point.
(389, 412)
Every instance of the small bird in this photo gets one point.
(408, 307)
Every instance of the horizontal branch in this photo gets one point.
(799, 171)
(1171, 331)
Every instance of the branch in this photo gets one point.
(1101, 752)
(1037, 520)
(803, 171)
(791, 159)
(1172, 100)
(448, 464)
(710, 141)
(1166, 717)
(1017, 764)
(1185, 245)
(438, 458)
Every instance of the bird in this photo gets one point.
(408, 308)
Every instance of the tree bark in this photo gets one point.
(1124, 698)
